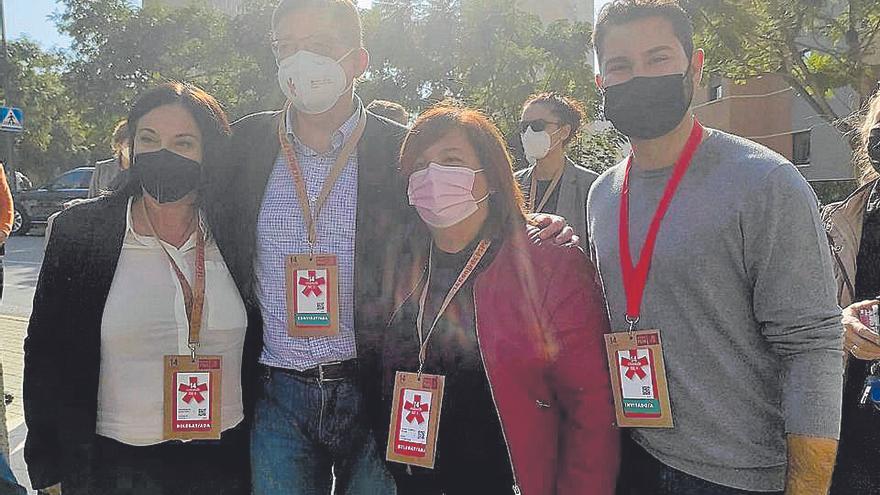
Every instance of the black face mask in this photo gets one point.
(874, 148)
(649, 107)
(165, 175)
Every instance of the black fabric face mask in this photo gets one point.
(649, 107)
(874, 148)
(165, 175)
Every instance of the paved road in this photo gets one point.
(21, 269)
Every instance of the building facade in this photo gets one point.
(767, 110)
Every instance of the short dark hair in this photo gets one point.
(344, 12)
(205, 110)
(389, 110)
(506, 210)
(569, 111)
(619, 12)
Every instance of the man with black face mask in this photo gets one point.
(713, 256)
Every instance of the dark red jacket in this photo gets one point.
(540, 317)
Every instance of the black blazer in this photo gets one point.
(383, 214)
(63, 344)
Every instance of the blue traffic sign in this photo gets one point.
(11, 119)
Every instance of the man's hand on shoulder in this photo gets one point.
(553, 227)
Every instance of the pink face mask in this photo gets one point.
(443, 195)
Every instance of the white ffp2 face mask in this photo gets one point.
(312, 83)
(536, 145)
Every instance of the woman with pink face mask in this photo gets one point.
(493, 371)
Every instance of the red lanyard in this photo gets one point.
(635, 277)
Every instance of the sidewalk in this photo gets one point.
(12, 332)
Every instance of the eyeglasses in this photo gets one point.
(536, 125)
(284, 47)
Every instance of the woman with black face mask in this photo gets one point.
(133, 358)
(853, 227)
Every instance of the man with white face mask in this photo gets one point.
(324, 148)
(311, 217)
(553, 183)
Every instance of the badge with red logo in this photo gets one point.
(312, 295)
(192, 397)
(638, 379)
(415, 418)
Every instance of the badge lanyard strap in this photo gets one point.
(193, 296)
(311, 212)
(635, 277)
(466, 272)
(533, 190)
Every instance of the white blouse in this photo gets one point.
(145, 320)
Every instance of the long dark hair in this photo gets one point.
(206, 111)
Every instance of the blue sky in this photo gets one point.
(32, 18)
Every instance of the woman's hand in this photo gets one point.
(858, 340)
(52, 490)
(554, 227)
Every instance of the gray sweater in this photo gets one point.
(742, 289)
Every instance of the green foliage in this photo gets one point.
(598, 151)
(127, 51)
(485, 53)
(831, 191)
(55, 134)
(817, 46)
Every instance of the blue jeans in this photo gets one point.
(306, 433)
(8, 484)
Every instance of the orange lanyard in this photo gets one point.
(312, 210)
(533, 190)
(193, 295)
(466, 272)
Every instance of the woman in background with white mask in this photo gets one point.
(552, 182)
(514, 328)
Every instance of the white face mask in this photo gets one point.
(536, 145)
(312, 83)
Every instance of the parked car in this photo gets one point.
(35, 206)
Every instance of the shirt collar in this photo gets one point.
(337, 140)
(150, 241)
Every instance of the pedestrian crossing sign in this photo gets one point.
(11, 119)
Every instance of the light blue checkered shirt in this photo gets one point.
(281, 231)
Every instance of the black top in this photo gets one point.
(471, 453)
(856, 472)
(552, 201)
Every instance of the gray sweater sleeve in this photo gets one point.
(789, 265)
